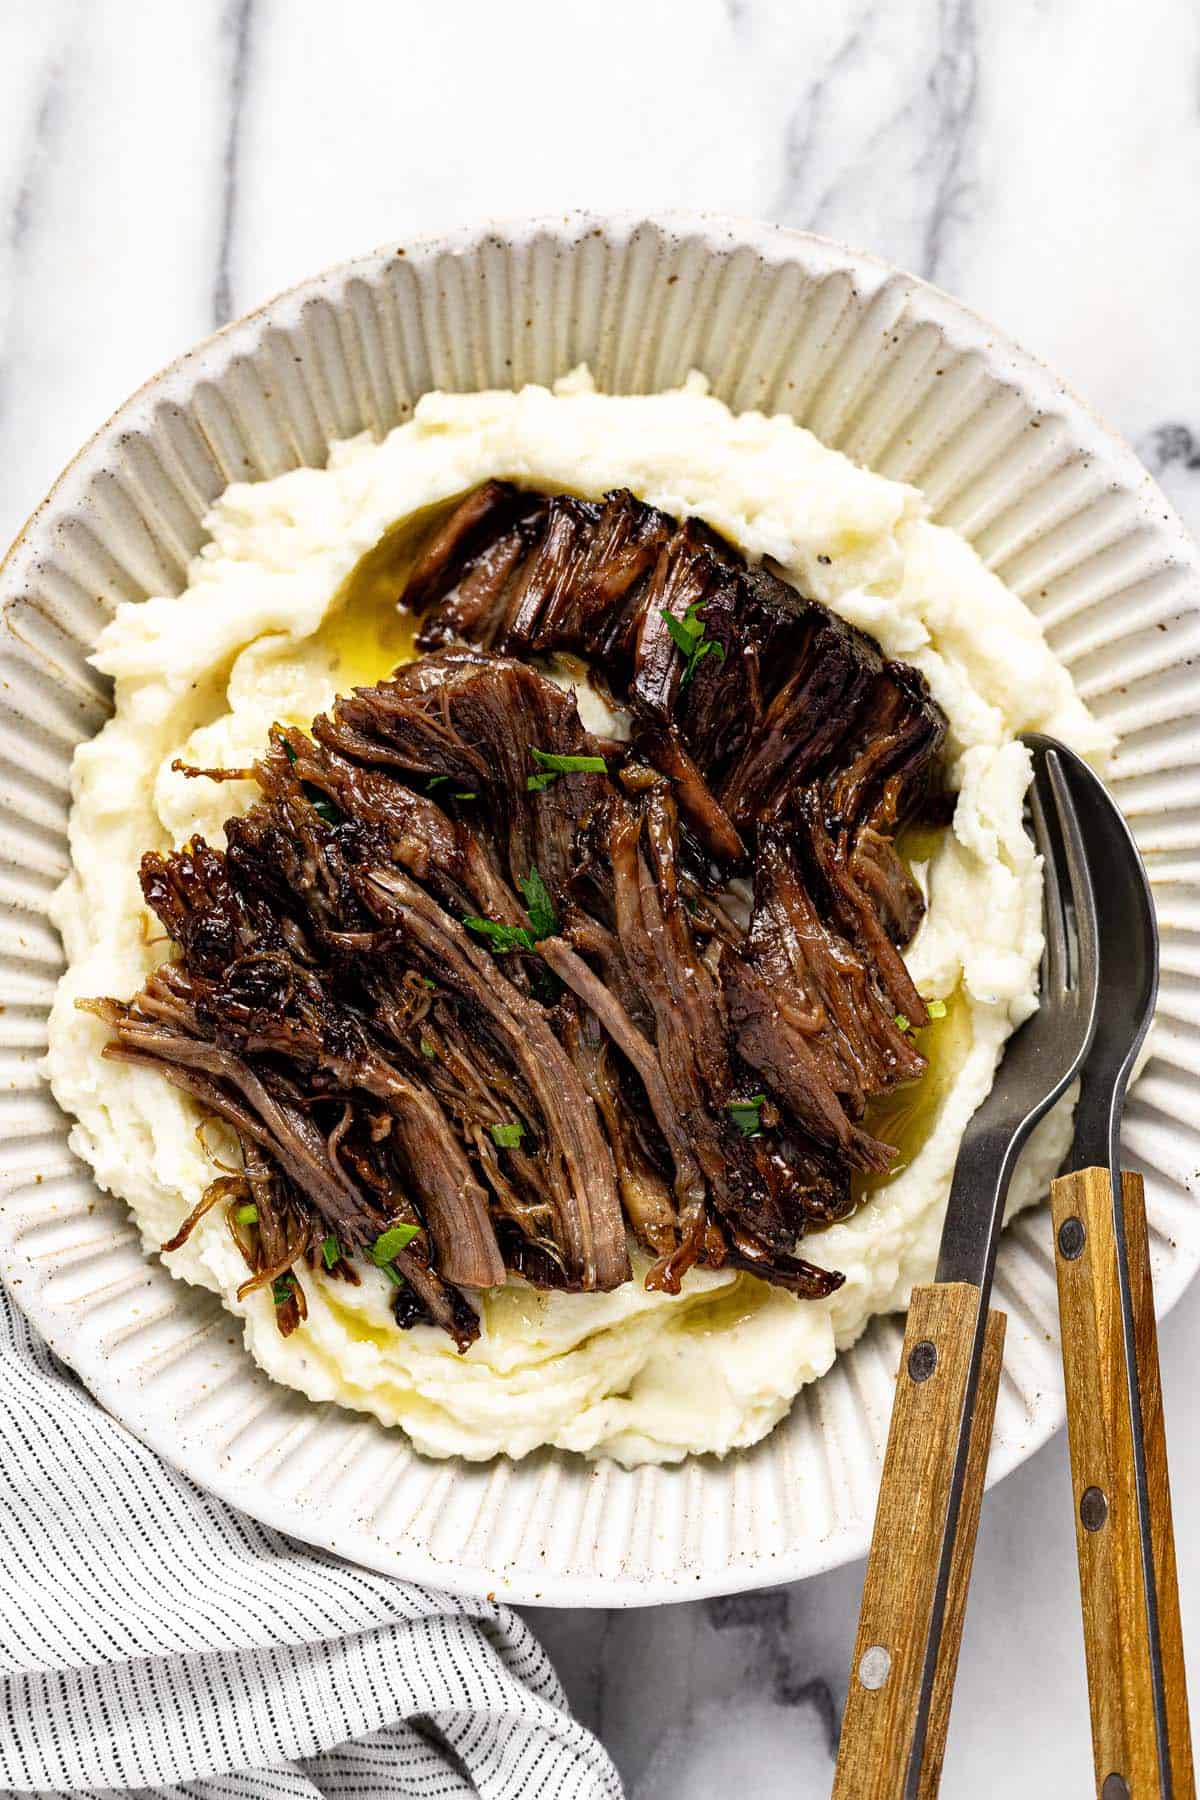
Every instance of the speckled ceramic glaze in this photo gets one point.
(878, 364)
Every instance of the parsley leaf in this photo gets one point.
(902, 1022)
(687, 635)
(686, 632)
(502, 938)
(331, 1251)
(395, 1238)
(551, 765)
(746, 1114)
(936, 1009)
(281, 1289)
(247, 1214)
(543, 919)
(507, 1137)
(427, 1049)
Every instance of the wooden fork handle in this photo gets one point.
(1112, 1575)
(897, 1621)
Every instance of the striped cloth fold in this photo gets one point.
(152, 1640)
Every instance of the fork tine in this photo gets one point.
(1083, 894)
(1054, 975)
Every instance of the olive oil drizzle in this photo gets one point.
(368, 630)
(906, 1117)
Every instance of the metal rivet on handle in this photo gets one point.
(874, 1666)
(1071, 1239)
(922, 1360)
(1115, 1788)
(1093, 1510)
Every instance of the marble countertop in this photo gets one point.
(164, 168)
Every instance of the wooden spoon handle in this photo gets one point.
(1108, 1530)
(898, 1616)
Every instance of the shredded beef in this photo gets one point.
(465, 984)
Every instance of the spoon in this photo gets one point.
(1133, 1637)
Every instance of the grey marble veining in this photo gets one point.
(884, 129)
(163, 168)
(236, 27)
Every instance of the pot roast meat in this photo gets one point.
(707, 819)
(468, 608)
(481, 518)
(564, 1128)
(441, 977)
(781, 698)
(550, 575)
(830, 674)
(597, 619)
(645, 1194)
(475, 721)
(641, 1054)
(845, 823)
(824, 995)
(684, 578)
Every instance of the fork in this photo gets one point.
(914, 1596)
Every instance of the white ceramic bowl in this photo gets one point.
(876, 363)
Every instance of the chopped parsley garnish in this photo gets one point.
(393, 1274)
(568, 765)
(687, 634)
(281, 1289)
(389, 1242)
(935, 1008)
(435, 781)
(427, 1049)
(543, 919)
(331, 1251)
(551, 765)
(501, 938)
(247, 1214)
(469, 795)
(507, 1137)
(747, 1114)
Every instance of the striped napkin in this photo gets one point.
(154, 1641)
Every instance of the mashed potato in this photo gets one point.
(258, 636)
